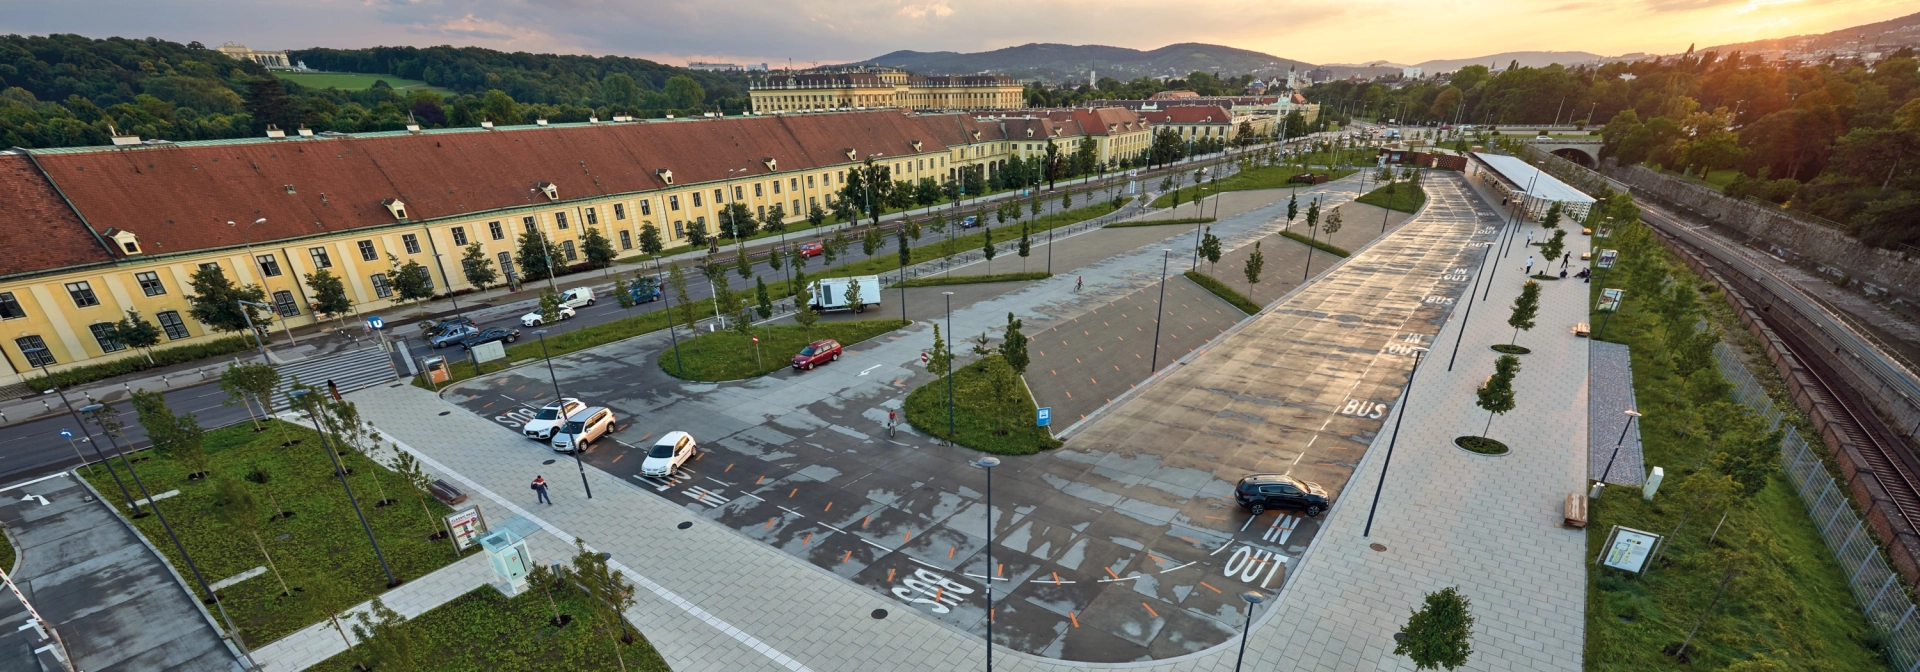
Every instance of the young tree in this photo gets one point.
(1210, 249)
(905, 253)
(1334, 219)
(987, 248)
(829, 252)
(815, 215)
(763, 302)
(853, 295)
(1025, 248)
(741, 264)
(330, 294)
(411, 281)
(136, 332)
(1525, 308)
(1003, 386)
(1293, 209)
(871, 241)
(215, 302)
(650, 243)
(1066, 201)
(1013, 347)
(474, 265)
(775, 219)
(1554, 246)
(547, 578)
(1033, 206)
(598, 248)
(410, 470)
(236, 506)
(250, 384)
(1551, 220)
(725, 300)
(940, 356)
(176, 436)
(1255, 262)
(387, 644)
(1496, 395)
(622, 292)
(329, 598)
(609, 596)
(803, 312)
(677, 281)
(1440, 633)
(536, 255)
(549, 306)
(697, 234)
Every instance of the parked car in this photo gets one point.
(582, 429)
(969, 222)
(533, 319)
(817, 353)
(549, 418)
(489, 336)
(577, 297)
(452, 335)
(668, 454)
(1259, 492)
(432, 328)
(644, 290)
(811, 249)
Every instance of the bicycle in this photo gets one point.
(1078, 282)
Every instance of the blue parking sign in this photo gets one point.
(375, 323)
(66, 433)
(1044, 417)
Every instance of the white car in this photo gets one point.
(582, 428)
(668, 454)
(550, 417)
(533, 319)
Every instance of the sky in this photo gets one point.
(834, 31)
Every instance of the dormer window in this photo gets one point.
(305, 132)
(772, 164)
(275, 132)
(916, 145)
(125, 241)
(976, 136)
(541, 122)
(486, 124)
(551, 190)
(664, 175)
(396, 207)
(1029, 132)
(851, 155)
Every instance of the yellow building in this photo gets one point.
(1205, 122)
(877, 87)
(94, 232)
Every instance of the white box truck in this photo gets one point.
(831, 293)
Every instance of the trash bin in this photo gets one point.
(436, 369)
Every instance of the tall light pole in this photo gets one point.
(1160, 310)
(444, 278)
(988, 463)
(949, 354)
(38, 361)
(542, 333)
(1405, 394)
(867, 185)
(1253, 598)
(304, 397)
(671, 333)
(246, 240)
(103, 417)
(248, 316)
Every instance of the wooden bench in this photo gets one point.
(447, 494)
(1586, 231)
(1582, 329)
(1586, 255)
(1577, 510)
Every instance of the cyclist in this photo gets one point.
(1078, 281)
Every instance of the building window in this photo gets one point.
(716, 197)
(560, 219)
(620, 211)
(460, 236)
(269, 265)
(103, 334)
(679, 229)
(367, 253)
(150, 283)
(506, 263)
(696, 197)
(9, 307)
(794, 183)
(82, 294)
(320, 258)
(592, 217)
(796, 207)
(626, 240)
(493, 229)
(739, 192)
(809, 181)
(210, 266)
(673, 202)
(776, 186)
(171, 324)
(283, 304)
(528, 224)
(566, 248)
(411, 242)
(380, 287)
(36, 351)
(646, 207)
(812, 202)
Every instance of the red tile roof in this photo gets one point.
(37, 225)
(1188, 114)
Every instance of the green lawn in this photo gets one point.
(353, 81)
(934, 245)
(1265, 177)
(973, 427)
(1790, 603)
(725, 355)
(1316, 243)
(1221, 290)
(322, 538)
(7, 559)
(483, 630)
(941, 280)
(1405, 198)
(1161, 222)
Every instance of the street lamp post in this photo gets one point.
(246, 241)
(38, 357)
(988, 463)
(1160, 310)
(253, 330)
(1405, 394)
(949, 353)
(1253, 598)
(304, 397)
(542, 333)
(1631, 414)
(671, 333)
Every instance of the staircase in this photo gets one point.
(350, 371)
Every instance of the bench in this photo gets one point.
(447, 494)
(1577, 510)
(1586, 231)
(1586, 255)
(1582, 329)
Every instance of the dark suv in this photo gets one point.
(1260, 492)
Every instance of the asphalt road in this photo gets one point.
(35, 448)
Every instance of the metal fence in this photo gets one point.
(1875, 585)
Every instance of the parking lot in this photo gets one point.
(1123, 545)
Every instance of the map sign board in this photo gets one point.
(466, 526)
(1610, 299)
(1628, 549)
(1606, 258)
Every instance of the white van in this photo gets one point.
(577, 297)
(831, 293)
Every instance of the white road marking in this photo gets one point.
(1177, 567)
(870, 369)
(797, 513)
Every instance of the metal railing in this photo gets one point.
(1876, 587)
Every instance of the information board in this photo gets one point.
(466, 526)
(1628, 549)
(1610, 299)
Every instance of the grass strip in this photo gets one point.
(975, 425)
(940, 280)
(1405, 198)
(484, 630)
(1161, 222)
(1264, 177)
(322, 539)
(1323, 246)
(1221, 290)
(7, 558)
(728, 355)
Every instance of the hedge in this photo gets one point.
(138, 362)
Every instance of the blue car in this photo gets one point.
(644, 290)
(452, 336)
(969, 222)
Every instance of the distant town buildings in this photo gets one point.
(883, 87)
(1262, 110)
(272, 59)
(726, 67)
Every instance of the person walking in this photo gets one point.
(540, 488)
(1529, 264)
(892, 418)
(1566, 261)
(1078, 282)
(1529, 239)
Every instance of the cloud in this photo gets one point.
(937, 9)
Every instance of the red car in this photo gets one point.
(810, 249)
(817, 353)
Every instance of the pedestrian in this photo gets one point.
(1078, 282)
(540, 487)
(1566, 260)
(1529, 264)
(334, 390)
(1529, 239)
(892, 417)
(1563, 272)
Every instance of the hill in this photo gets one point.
(1057, 62)
(1886, 37)
(1527, 59)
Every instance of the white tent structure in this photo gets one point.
(1512, 177)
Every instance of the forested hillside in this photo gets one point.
(1837, 139)
(66, 90)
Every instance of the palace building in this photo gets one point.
(877, 87)
(99, 231)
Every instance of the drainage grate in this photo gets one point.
(445, 412)
(1378, 547)
(879, 614)
(685, 524)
